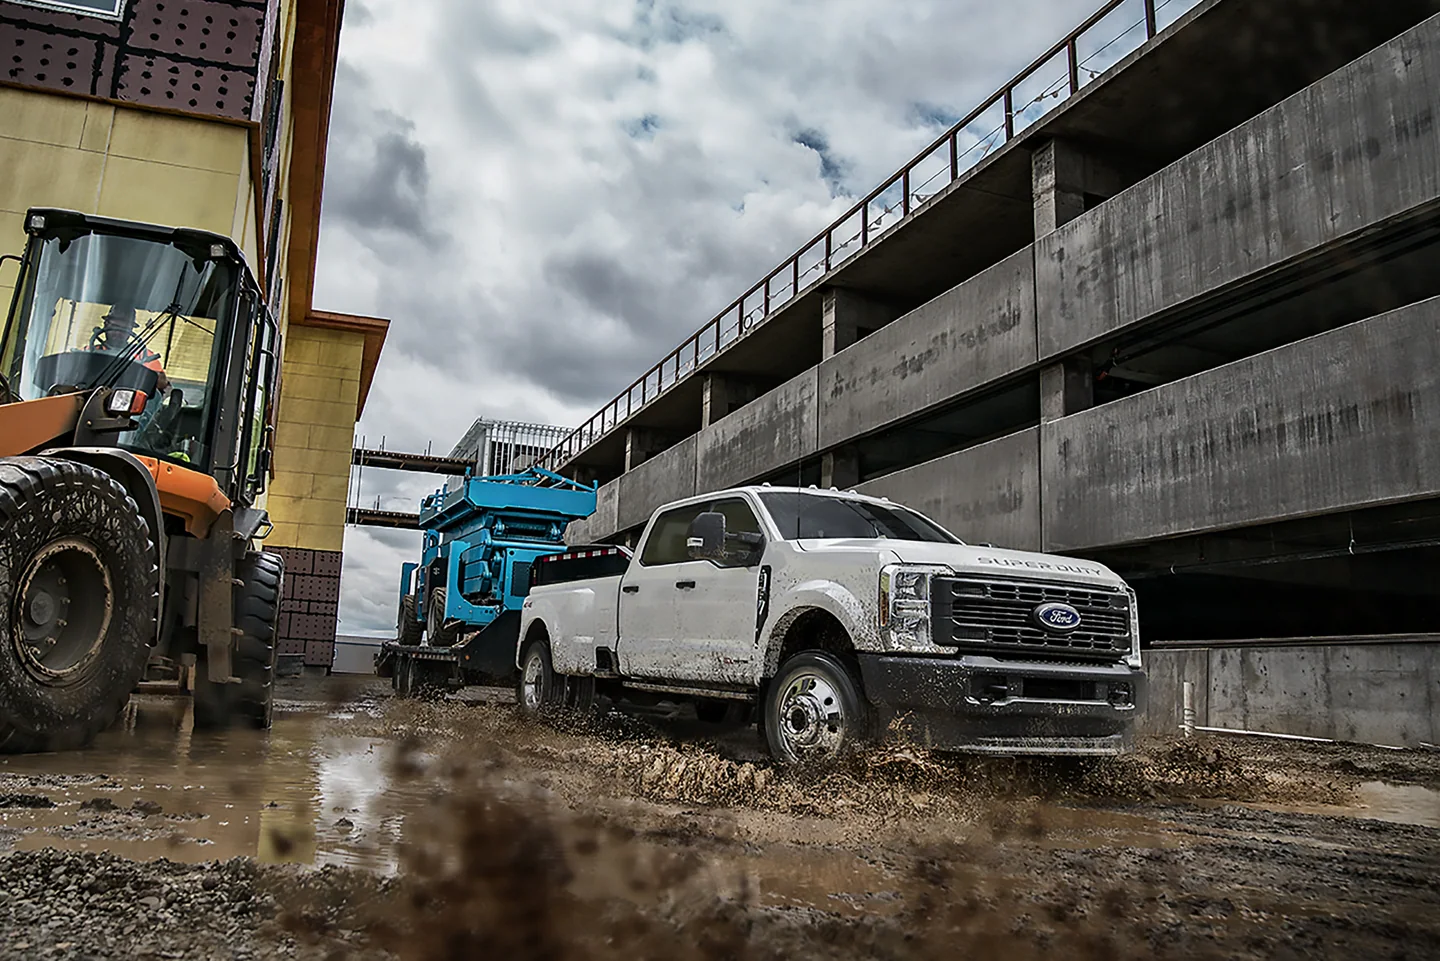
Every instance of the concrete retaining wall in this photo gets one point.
(987, 494)
(1356, 148)
(1370, 693)
(1329, 423)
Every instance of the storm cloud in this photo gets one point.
(545, 198)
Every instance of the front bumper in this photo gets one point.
(980, 704)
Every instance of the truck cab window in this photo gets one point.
(739, 519)
(666, 543)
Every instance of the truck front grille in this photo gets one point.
(995, 615)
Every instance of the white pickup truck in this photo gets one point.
(825, 615)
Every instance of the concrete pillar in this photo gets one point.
(1066, 388)
(848, 316)
(840, 468)
(722, 394)
(641, 445)
(1068, 181)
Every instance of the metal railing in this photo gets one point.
(944, 161)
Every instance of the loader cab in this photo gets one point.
(174, 315)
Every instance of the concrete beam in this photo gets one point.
(975, 332)
(1066, 388)
(773, 431)
(665, 477)
(642, 444)
(1331, 423)
(723, 394)
(1069, 180)
(840, 468)
(848, 316)
(1348, 153)
(986, 494)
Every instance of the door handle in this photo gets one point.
(631, 588)
(684, 585)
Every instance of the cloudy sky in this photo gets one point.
(545, 197)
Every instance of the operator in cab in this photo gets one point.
(117, 335)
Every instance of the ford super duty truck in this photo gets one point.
(824, 616)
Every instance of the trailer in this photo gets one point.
(458, 617)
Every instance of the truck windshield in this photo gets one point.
(800, 515)
(103, 309)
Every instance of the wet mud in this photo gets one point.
(364, 826)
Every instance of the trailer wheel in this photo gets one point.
(252, 657)
(78, 601)
(813, 711)
(538, 689)
(440, 636)
(408, 627)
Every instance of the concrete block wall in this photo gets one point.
(1358, 148)
(314, 437)
(1368, 693)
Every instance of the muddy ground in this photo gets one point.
(366, 827)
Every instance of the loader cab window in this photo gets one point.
(105, 309)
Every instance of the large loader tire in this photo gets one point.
(252, 657)
(440, 636)
(408, 627)
(78, 600)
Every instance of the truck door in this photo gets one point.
(716, 616)
(649, 644)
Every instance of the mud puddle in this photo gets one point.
(154, 787)
(1412, 804)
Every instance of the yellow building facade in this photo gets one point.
(123, 144)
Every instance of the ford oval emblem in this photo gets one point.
(1059, 618)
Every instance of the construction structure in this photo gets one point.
(498, 447)
(1169, 299)
(211, 116)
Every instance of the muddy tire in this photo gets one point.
(440, 636)
(814, 713)
(251, 703)
(538, 690)
(79, 594)
(407, 626)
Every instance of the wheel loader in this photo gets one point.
(138, 370)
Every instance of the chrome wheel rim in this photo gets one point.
(811, 717)
(532, 681)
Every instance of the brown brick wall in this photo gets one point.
(310, 603)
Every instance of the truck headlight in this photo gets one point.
(1133, 658)
(904, 607)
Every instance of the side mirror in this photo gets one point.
(707, 537)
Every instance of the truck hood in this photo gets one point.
(968, 559)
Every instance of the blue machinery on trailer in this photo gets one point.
(459, 612)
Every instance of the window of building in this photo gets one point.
(109, 9)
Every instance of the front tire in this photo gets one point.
(252, 656)
(78, 600)
(814, 712)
